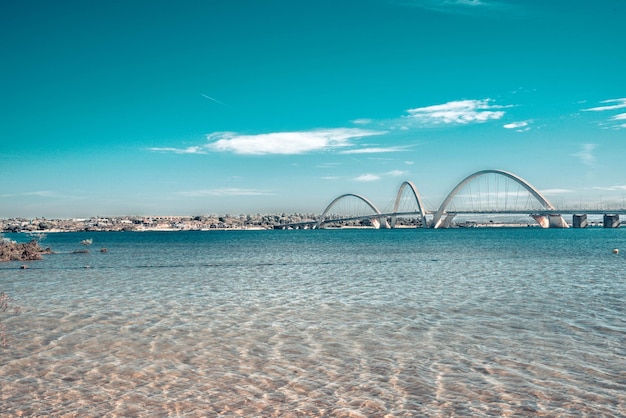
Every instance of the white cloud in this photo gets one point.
(225, 192)
(552, 192)
(372, 150)
(618, 104)
(457, 112)
(41, 193)
(188, 150)
(619, 118)
(610, 105)
(363, 121)
(396, 173)
(611, 188)
(367, 177)
(586, 154)
(38, 193)
(287, 142)
(521, 126)
(452, 6)
(345, 139)
(469, 2)
(376, 177)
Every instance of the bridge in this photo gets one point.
(486, 192)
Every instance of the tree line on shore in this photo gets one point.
(132, 223)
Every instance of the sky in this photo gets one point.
(152, 107)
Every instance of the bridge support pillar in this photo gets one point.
(448, 221)
(579, 221)
(611, 221)
(550, 221)
(557, 221)
(380, 223)
(442, 222)
(542, 220)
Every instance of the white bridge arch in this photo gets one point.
(544, 214)
(343, 196)
(543, 220)
(418, 200)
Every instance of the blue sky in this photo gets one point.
(238, 106)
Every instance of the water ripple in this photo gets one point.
(328, 326)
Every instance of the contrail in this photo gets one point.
(215, 100)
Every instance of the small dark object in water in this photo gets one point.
(80, 252)
(23, 267)
(104, 250)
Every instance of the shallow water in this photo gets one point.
(480, 322)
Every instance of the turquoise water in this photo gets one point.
(395, 323)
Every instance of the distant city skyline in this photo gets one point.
(116, 108)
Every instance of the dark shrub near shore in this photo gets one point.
(11, 251)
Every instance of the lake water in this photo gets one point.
(338, 323)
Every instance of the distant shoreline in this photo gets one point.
(172, 230)
(256, 222)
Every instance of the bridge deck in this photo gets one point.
(468, 212)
